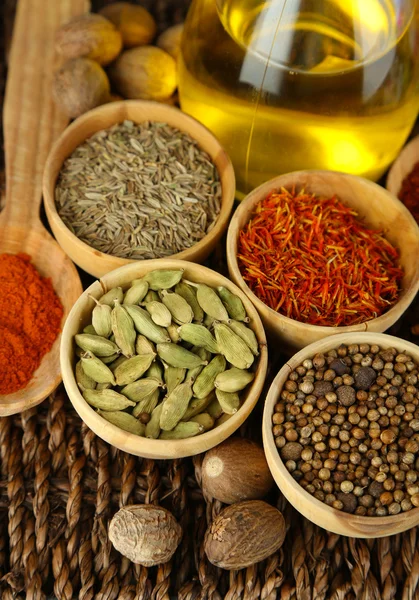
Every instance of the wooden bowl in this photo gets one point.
(380, 209)
(316, 511)
(98, 263)
(128, 442)
(402, 166)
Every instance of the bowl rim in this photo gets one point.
(406, 297)
(227, 179)
(271, 451)
(410, 149)
(162, 449)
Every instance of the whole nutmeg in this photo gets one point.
(89, 36)
(148, 535)
(244, 534)
(80, 85)
(135, 23)
(145, 72)
(170, 40)
(236, 470)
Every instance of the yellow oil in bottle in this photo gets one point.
(302, 84)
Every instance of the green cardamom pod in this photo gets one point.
(229, 401)
(205, 382)
(152, 429)
(236, 351)
(139, 390)
(103, 386)
(246, 334)
(193, 373)
(155, 371)
(211, 303)
(123, 330)
(205, 420)
(173, 333)
(146, 326)
(144, 346)
(96, 369)
(136, 292)
(198, 335)
(197, 406)
(159, 313)
(183, 430)
(233, 380)
(90, 330)
(163, 279)
(147, 405)
(84, 381)
(188, 293)
(175, 405)
(124, 421)
(151, 296)
(173, 376)
(209, 322)
(96, 344)
(233, 304)
(178, 307)
(214, 409)
(133, 368)
(110, 297)
(202, 353)
(107, 399)
(101, 318)
(176, 356)
(119, 361)
(110, 359)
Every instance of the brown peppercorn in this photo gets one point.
(366, 500)
(348, 500)
(278, 418)
(280, 441)
(394, 508)
(375, 489)
(321, 388)
(291, 451)
(386, 498)
(415, 500)
(412, 446)
(291, 435)
(144, 417)
(346, 395)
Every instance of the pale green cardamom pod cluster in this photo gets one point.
(166, 358)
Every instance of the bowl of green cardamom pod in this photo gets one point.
(165, 359)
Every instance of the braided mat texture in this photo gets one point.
(60, 485)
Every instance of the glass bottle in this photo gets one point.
(302, 84)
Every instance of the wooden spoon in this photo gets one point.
(31, 124)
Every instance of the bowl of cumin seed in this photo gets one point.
(136, 180)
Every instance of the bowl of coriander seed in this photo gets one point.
(341, 433)
(136, 181)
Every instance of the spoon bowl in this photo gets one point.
(31, 124)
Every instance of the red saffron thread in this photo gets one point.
(312, 260)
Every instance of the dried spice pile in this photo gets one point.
(148, 369)
(347, 427)
(30, 320)
(312, 260)
(139, 191)
(409, 192)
